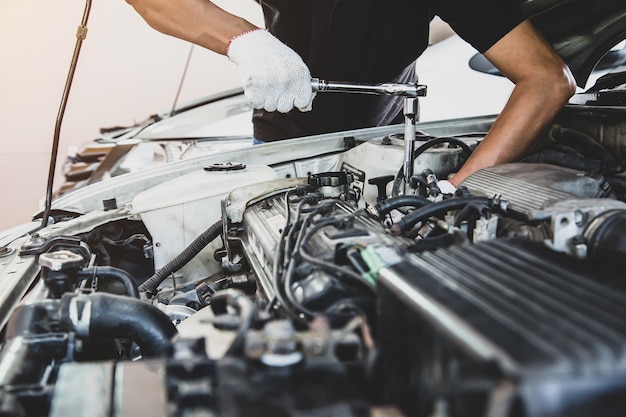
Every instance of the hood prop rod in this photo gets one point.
(81, 34)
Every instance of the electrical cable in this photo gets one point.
(151, 284)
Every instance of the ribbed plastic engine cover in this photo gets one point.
(531, 187)
(553, 327)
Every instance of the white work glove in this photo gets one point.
(446, 187)
(273, 76)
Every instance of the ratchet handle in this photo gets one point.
(389, 89)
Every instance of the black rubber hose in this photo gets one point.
(245, 308)
(109, 272)
(586, 145)
(605, 236)
(433, 209)
(118, 317)
(563, 156)
(472, 212)
(152, 283)
(429, 144)
(402, 201)
(433, 142)
(442, 241)
(417, 180)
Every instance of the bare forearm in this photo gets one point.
(529, 111)
(543, 84)
(197, 21)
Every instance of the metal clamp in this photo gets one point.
(80, 318)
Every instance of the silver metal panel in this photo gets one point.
(146, 377)
(531, 188)
(83, 389)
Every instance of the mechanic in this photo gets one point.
(370, 41)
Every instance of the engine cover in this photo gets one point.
(530, 188)
(502, 325)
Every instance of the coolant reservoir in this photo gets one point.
(178, 211)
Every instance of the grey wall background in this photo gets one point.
(126, 72)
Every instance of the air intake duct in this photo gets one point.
(605, 237)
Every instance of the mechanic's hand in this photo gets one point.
(273, 76)
(446, 187)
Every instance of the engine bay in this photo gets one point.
(336, 285)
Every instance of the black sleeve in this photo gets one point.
(480, 22)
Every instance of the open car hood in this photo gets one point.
(582, 31)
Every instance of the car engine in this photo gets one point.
(336, 286)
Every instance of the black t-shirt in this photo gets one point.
(368, 41)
